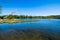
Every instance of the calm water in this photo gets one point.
(43, 24)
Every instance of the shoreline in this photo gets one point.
(15, 20)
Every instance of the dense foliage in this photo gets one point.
(23, 17)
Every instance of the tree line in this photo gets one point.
(23, 17)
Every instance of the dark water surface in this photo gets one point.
(45, 26)
(49, 24)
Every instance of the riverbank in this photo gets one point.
(15, 20)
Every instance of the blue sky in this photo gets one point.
(31, 7)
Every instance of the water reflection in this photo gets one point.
(17, 21)
(41, 30)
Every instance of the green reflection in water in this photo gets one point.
(15, 20)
